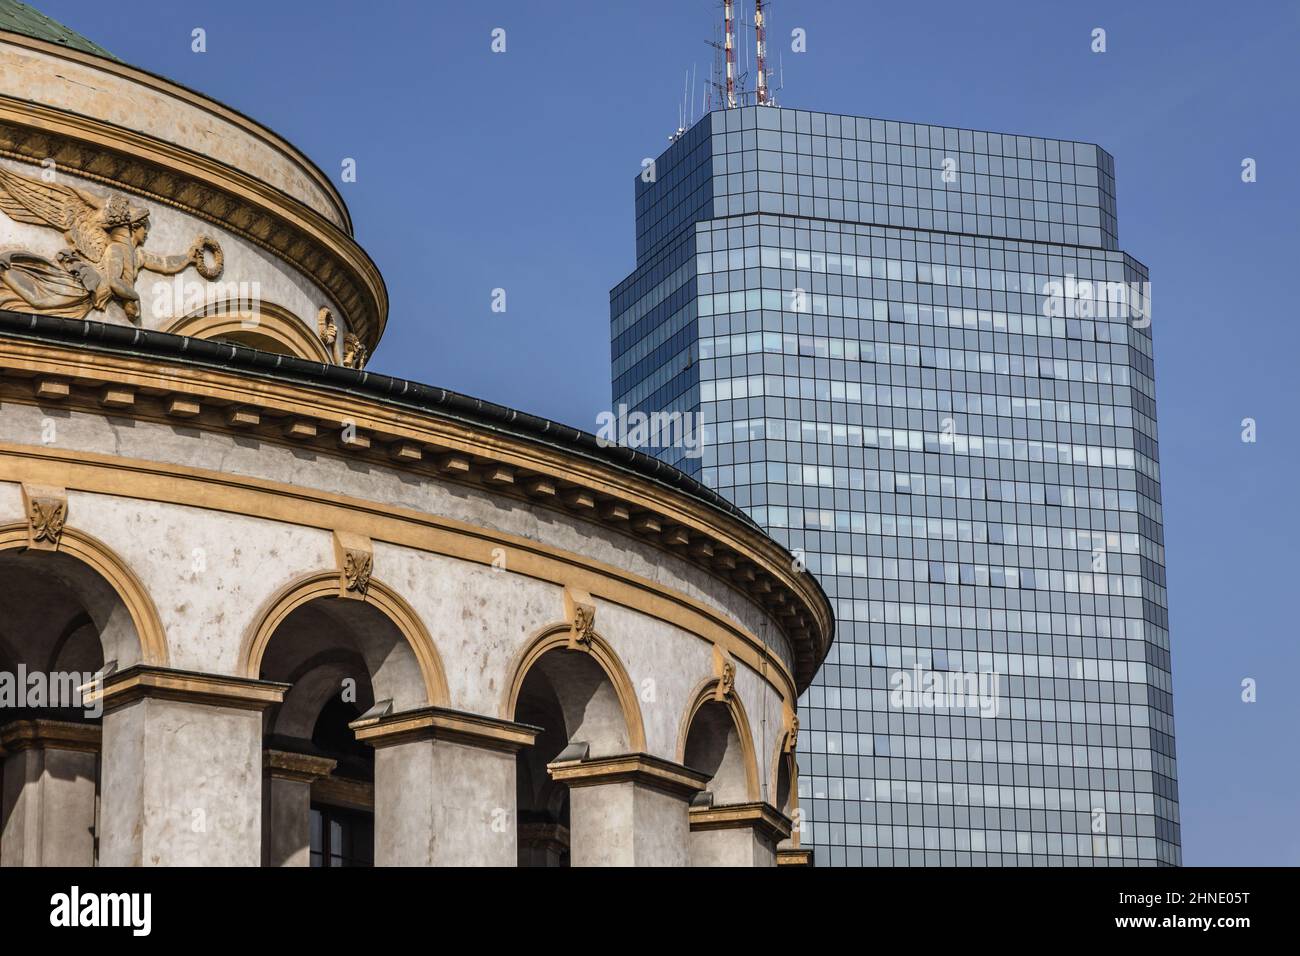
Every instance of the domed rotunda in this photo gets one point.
(263, 605)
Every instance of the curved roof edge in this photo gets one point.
(146, 343)
(151, 344)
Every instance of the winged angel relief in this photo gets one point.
(106, 238)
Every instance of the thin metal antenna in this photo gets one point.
(686, 85)
(694, 68)
(745, 72)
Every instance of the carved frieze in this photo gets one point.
(35, 134)
(104, 252)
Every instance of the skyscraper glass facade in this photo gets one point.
(924, 365)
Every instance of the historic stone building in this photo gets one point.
(320, 615)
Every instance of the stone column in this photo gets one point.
(286, 805)
(629, 810)
(182, 768)
(444, 787)
(738, 834)
(48, 800)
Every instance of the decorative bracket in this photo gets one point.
(791, 731)
(580, 612)
(355, 555)
(47, 513)
(354, 351)
(724, 669)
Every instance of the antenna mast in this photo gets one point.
(725, 83)
(729, 31)
(760, 48)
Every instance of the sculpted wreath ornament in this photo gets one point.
(208, 258)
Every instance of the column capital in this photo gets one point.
(642, 768)
(300, 767)
(442, 723)
(759, 816)
(22, 735)
(165, 683)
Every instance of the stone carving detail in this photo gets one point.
(580, 612)
(47, 514)
(354, 352)
(791, 732)
(355, 556)
(105, 254)
(727, 682)
(231, 212)
(584, 625)
(329, 332)
(357, 566)
(724, 669)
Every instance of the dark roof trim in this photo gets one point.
(145, 343)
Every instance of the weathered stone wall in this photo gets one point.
(100, 89)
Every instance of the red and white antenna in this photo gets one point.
(729, 45)
(760, 46)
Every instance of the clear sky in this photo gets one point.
(478, 171)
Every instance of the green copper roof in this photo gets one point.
(17, 17)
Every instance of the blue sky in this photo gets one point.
(478, 171)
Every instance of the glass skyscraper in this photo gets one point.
(924, 364)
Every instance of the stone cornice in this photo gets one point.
(794, 856)
(343, 792)
(760, 817)
(442, 723)
(645, 769)
(49, 734)
(164, 683)
(299, 767)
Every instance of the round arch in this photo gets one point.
(116, 573)
(556, 637)
(275, 329)
(325, 584)
(706, 692)
(785, 769)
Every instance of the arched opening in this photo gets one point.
(572, 697)
(255, 340)
(60, 622)
(785, 777)
(732, 822)
(714, 747)
(342, 658)
(259, 325)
